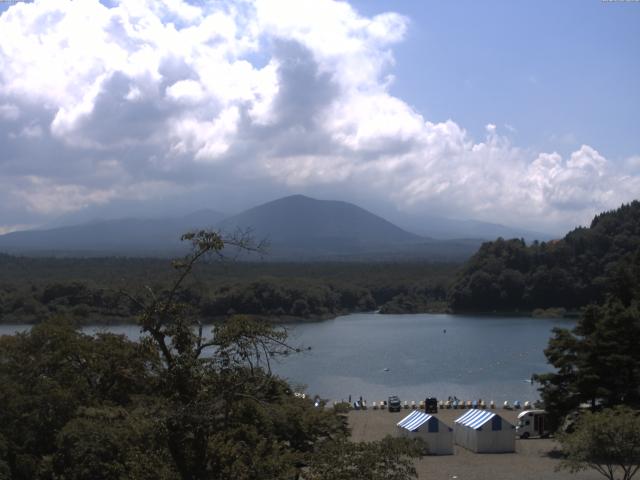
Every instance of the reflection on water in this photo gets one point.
(412, 356)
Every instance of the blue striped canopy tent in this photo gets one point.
(475, 418)
(439, 437)
(483, 431)
(414, 420)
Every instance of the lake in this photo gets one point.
(412, 356)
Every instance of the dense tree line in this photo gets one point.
(280, 299)
(508, 275)
(34, 303)
(180, 404)
(90, 290)
(597, 363)
(424, 297)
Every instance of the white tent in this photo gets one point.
(439, 436)
(483, 431)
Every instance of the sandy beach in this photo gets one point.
(534, 459)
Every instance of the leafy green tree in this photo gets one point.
(597, 363)
(558, 389)
(109, 443)
(224, 407)
(606, 441)
(49, 372)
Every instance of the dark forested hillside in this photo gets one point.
(570, 273)
(597, 362)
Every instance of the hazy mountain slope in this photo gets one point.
(303, 221)
(130, 236)
(296, 228)
(303, 228)
(442, 228)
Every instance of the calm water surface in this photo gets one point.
(374, 355)
(477, 357)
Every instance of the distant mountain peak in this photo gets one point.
(298, 198)
(295, 196)
(297, 227)
(299, 216)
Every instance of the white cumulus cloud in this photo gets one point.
(145, 98)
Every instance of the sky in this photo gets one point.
(520, 113)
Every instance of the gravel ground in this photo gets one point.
(534, 459)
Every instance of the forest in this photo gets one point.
(90, 289)
(569, 273)
(503, 276)
(596, 363)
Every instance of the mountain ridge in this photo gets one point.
(302, 217)
(109, 237)
(297, 227)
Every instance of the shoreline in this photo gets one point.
(534, 458)
(292, 320)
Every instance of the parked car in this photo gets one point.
(394, 404)
(431, 405)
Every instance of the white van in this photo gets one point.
(532, 423)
